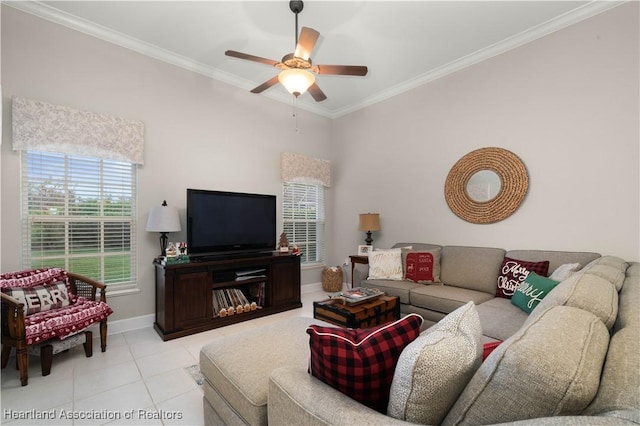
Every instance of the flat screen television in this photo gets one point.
(226, 223)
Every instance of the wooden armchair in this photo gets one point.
(50, 303)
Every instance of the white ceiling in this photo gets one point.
(403, 43)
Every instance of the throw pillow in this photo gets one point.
(550, 367)
(434, 369)
(40, 298)
(563, 272)
(36, 277)
(421, 266)
(532, 291)
(385, 264)
(513, 272)
(360, 362)
(487, 348)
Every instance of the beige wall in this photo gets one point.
(199, 133)
(566, 104)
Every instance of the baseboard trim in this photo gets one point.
(310, 288)
(130, 324)
(144, 321)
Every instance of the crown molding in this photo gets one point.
(575, 16)
(90, 28)
(57, 16)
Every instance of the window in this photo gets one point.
(78, 213)
(303, 217)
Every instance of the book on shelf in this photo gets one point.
(250, 274)
(232, 301)
(249, 277)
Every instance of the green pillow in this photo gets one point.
(532, 290)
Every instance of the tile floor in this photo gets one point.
(138, 379)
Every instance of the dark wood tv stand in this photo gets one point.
(185, 291)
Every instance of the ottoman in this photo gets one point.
(236, 369)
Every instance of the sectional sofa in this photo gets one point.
(574, 359)
(468, 274)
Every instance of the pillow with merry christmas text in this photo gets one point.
(513, 272)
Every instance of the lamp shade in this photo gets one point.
(296, 81)
(369, 222)
(163, 219)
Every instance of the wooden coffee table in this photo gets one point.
(365, 315)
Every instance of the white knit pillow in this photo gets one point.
(564, 271)
(434, 369)
(385, 264)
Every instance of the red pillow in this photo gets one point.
(360, 362)
(487, 348)
(513, 272)
(419, 266)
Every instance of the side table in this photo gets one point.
(363, 260)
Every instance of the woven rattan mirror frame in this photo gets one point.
(514, 185)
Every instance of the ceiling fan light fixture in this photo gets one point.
(296, 81)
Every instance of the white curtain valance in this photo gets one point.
(41, 126)
(303, 169)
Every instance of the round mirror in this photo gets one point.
(486, 185)
(483, 186)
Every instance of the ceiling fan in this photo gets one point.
(295, 75)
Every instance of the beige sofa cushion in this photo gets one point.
(634, 269)
(584, 291)
(473, 268)
(621, 375)
(629, 299)
(610, 273)
(445, 298)
(239, 393)
(435, 368)
(550, 367)
(613, 261)
(500, 318)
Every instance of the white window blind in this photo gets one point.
(303, 219)
(78, 213)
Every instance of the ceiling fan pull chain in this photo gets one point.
(295, 111)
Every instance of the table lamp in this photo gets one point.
(369, 222)
(163, 219)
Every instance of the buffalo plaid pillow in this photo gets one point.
(360, 362)
(513, 272)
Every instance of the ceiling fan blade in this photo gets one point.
(306, 42)
(315, 91)
(358, 70)
(264, 86)
(248, 57)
